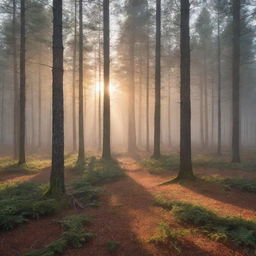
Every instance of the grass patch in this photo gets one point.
(23, 201)
(166, 163)
(246, 185)
(87, 194)
(73, 236)
(167, 236)
(33, 165)
(160, 166)
(219, 228)
(204, 161)
(99, 171)
(112, 246)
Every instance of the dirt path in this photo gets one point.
(127, 215)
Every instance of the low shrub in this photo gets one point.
(100, 171)
(112, 246)
(165, 235)
(22, 201)
(73, 236)
(160, 166)
(241, 232)
(247, 185)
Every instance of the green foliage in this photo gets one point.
(166, 163)
(100, 171)
(167, 236)
(204, 161)
(54, 248)
(160, 166)
(22, 201)
(33, 165)
(73, 236)
(247, 185)
(241, 232)
(112, 246)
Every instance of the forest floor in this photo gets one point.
(128, 216)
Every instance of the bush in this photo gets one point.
(160, 166)
(112, 246)
(23, 201)
(167, 236)
(73, 236)
(100, 171)
(87, 194)
(247, 185)
(241, 232)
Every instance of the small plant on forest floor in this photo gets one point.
(112, 246)
(73, 236)
(22, 201)
(160, 166)
(33, 165)
(100, 171)
(241, 232)
(167, 236)
(87, 194)
(247, 185)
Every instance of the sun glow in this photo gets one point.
(113, 88)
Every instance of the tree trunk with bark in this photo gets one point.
(157, 121)
(74, 82)
(15, 83)
(57, 186)
(219, 84)
(185, 171)
(22, 126)
(236, 81)
(81, 153)
(106, 154)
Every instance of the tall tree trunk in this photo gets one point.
(236, 81)
(212, 117)
(131, 101)
(206, 100)
(157, 125)
(15, 83)
(169, 111)
(22, 132)
(219, 84)
(81, 155)
(100, 97)
(40, 101)
(147, 95)
(201, 112)
(140, 122)
(185, 171)
(57, 186)
(32, 144)
(74, 82)
(2, 109)
(106, 154)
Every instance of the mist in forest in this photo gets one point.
(132, 67)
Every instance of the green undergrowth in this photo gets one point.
(112, 246)
(171, 162)
(33, 165)
(246, 185)
(219, 228)
(167, 236)
(73, 236)
(23, 201)
(204, 161)
(160, 166)
(87, 194)
(99, 171)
